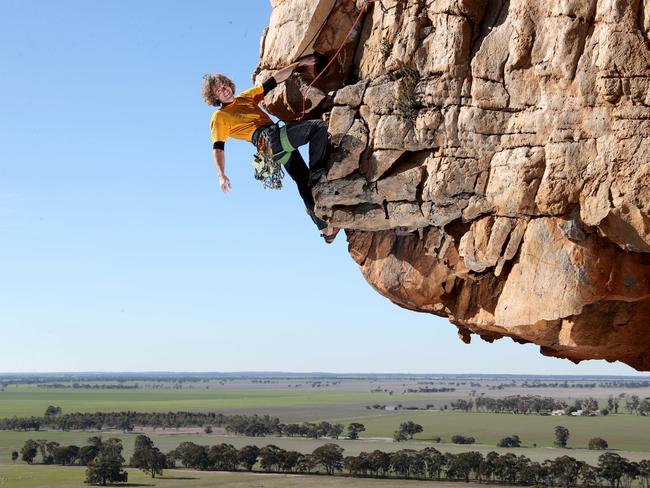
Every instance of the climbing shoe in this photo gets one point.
(316, 175)
(329, 234)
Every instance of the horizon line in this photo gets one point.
(639, 374)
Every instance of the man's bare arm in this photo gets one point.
(220, 164)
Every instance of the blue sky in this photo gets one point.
(118, 251)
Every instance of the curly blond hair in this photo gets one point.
(210, 83)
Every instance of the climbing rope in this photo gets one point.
(364, 9)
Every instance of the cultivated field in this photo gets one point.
(339, 400)
(72, 477)
(624, 432)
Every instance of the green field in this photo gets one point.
(624, 432)
(344, 403)
(22, 476)
(30, 400)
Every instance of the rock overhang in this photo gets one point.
(489, 160)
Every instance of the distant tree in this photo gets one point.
(107, 466)
(588, 475)
(125, 424)
(324, 429)
(561, 436)
(42, 447)
(410, 428)
(379, 462)
(223, 457)
(29, 451)
(506, 467)
(147, 457)
(306, 464)
(247, 456)
(399, 436)
(644, 407)
(354, 429)
(433, 460)
(14, 455)
(632, 404)
(52, 411)
(644, 473)
(530, 473)
(611, 467)
(630, 473)
(402, 462)
(47, 450)
(356, 465)
(191, 455)
(329, 456)
(87, 454)
(597, 443)
(311, 430)
(510, 441)
(565, 471)
(464, 464)
(270, 457)
(604, 411)
(335, 431)
(65, 455)
(461, 439)
(95, 441)
(290, 461)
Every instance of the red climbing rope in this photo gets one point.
(363, 10)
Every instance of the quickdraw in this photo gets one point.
(269, 166)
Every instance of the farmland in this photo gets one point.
(380, 404)
(69, 477)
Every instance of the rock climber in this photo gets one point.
(241, 117)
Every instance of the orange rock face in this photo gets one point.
(490, 160)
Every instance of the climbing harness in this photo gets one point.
(269, 166)
(364, 9)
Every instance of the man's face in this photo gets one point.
(223, 93)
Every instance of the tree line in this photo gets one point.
(527, 404)
(90, 386)
(105, 463)
(248, 425)
(517, 404)
(573, 384)
(127, 421)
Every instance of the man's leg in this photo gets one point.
(297, 169)
(313, 132)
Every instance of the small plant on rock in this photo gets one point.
(385, 47)
(406, 102)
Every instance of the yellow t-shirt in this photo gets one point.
(239, 118)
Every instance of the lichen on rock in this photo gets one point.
(490, 160)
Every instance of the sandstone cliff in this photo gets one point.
(489, 161)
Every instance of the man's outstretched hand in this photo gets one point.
(224, 182)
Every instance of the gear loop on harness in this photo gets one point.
(269, 165)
